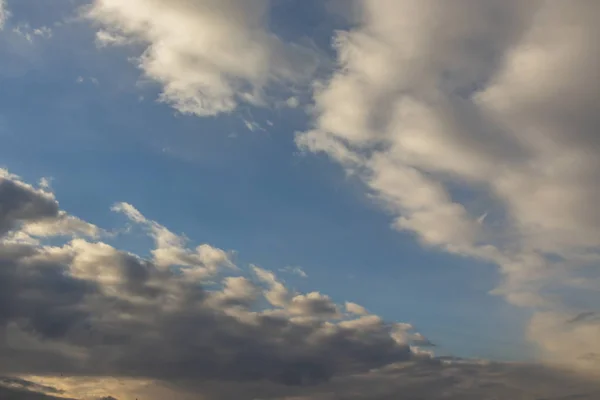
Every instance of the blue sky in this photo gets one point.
(414, 159)
(220, 183)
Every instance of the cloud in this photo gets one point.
(25, 394)
(296, 271)
(451, 379)
(25, 385)
(206, 55)
(84, 319)
(314, 304)
(4, 14)
(35, 211)
(85, 308)
(203, 261)
(356, 309)
(30, 34)
(106, 38)
(451, 111)
(581, 317)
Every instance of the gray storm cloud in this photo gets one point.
(85, 308)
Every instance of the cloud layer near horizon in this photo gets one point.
(432, 379)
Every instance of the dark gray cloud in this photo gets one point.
(18, 383)
(582, 316)
(91, 309)
(20, 389)
(22, 203)
(126, 326)
(427, 379)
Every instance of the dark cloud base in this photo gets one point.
(85, 308)
(20, 389)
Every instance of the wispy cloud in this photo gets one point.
(295, 271)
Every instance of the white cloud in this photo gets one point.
(207, 55)
(276, 293)
(574, 342)
(296, 271)
(61, 224)
(106, 38)
(290, 102)
(170, 249)
(4, 14)
(45, 183)
(29, 33)
(314, 305)
(435, 104)
(130, 211)
(356, 308)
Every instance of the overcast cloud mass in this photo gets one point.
(472, 124)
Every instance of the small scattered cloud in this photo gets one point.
(81, 80)
(30, 34)
(45, 183)
(290, 102)
(295, 271)
(253, 126)
(105, 38)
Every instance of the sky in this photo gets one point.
(285, 199)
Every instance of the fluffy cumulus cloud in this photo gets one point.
(207, 55)
(82, 307)
(475, 124)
